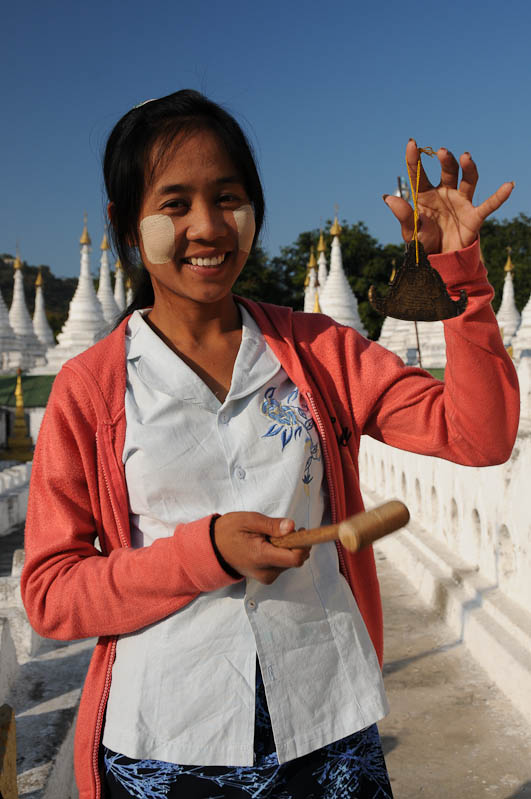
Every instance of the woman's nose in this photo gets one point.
(207, 222)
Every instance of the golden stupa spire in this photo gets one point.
(118, 264)
(39, 280)
(321, 246)
(104, 242)
(312, 264)
(19, 444)
(17, 263)
(336, 228)
(508, 264)
(316, 306)
(85, 238)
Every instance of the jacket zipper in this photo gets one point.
(106, 687)
(331, 485)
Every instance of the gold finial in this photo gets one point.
(393, 272)
(321, 246)
(17, 263)
(85, 238)
(128, 284)
(336, 228)
(118, 265)
(316, 306)
(19, 396)
(19, 444)
(508, 264)
(312, 263)
(104, 242)
(39, 281)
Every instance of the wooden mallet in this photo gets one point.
(354, 533)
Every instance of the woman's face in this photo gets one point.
(196, 224)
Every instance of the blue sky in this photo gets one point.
(328, 95)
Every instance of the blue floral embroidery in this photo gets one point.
(290, 420)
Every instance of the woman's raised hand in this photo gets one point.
(447, 219)
(242, 539)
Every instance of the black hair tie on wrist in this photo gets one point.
(221, 560)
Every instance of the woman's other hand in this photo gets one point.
(242, 540)
(448, 220)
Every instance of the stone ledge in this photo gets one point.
(497, 633)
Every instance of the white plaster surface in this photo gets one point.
(508, 315)
(521, 342)
(310, 291)
(119, 289)
(337, 298)
(105, 295)
(41, 327)
(322, 273)
(467, 549)
(85, 322)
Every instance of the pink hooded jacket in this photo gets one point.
(353, 386)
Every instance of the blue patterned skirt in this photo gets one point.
(352, 768)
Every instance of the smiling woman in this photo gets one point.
(200, 428)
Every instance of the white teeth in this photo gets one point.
(215, 261)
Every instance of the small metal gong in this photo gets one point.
(417, 292)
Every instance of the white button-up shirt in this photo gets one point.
(183, 689)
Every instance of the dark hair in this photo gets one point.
(126, 162)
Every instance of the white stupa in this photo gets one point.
(521, 343)
(322, 272)
(105, 294)
(31, 349)
(41, 327)
(128, 292)
(119, 290)
(85, 323)
(337, 298)
(11, 355)
(508, 315)
(310, 284)
(432, 344)
(396, 335)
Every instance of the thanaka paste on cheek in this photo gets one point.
(158, 238)
(244, 218)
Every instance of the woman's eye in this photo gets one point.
(179, 204)
(229, 198)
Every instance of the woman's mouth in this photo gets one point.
(215, 260)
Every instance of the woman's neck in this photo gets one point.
(193, 324)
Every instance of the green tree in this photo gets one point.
(262, 279)
(365, 263)
(496, 236)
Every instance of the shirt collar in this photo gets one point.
(161, 369)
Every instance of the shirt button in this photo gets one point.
(224, 418)
(251, 604)
(240, 473)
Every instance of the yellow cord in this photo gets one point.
(415, 193)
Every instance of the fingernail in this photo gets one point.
(514, 184)
(411, 139)
(467, 153)
(285, 526)
(384, 197)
